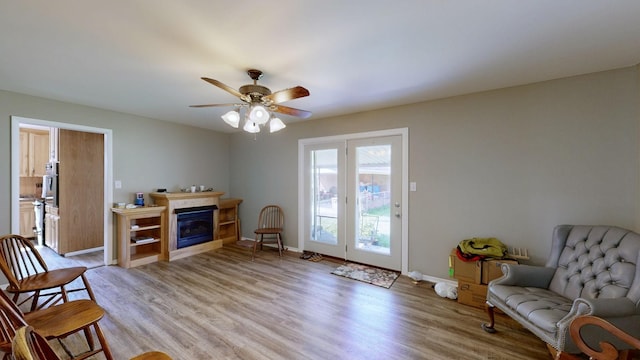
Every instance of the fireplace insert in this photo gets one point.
(195, 225)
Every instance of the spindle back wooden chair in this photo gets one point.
(270, 223)
(27, 273)
(28, 344)
(55, 322)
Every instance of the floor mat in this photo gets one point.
(371, 275)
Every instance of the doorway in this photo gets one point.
(107, 197)
(353, 197)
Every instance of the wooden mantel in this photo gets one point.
(181, 200)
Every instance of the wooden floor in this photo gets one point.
(221, 305)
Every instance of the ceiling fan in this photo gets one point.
(260, 103)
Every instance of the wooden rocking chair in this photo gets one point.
(27, 273)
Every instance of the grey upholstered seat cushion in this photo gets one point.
(541, 307)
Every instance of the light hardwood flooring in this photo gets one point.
(221, 305)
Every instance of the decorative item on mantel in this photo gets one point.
(194, 188)
(139, 199)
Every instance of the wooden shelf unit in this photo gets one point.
(144, 222)
(228, 229)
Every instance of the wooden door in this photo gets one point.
(81, 191)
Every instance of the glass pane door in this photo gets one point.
(375, 185)
(325, 199)
(324, 189)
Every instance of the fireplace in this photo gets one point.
(195, 225)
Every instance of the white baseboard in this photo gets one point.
(85, 251)
(292, 249)
(436, 280)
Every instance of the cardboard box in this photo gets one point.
(468, 271)
(472, 294)
(491, 269)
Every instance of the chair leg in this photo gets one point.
(103, 342)
(280, 246)
(36, 298)
(489, 327)
(255, 245)
(88, 288)
(89, 337)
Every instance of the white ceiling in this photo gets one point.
(147, 57)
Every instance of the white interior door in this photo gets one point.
(352, 199)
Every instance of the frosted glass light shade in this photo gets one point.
(276, 125)
(259, 115)
(251, 127)
(232, 118)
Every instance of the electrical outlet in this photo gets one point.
(412, 186)
(118, 184)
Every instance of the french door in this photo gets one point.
(353, 199)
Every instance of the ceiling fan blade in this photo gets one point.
(291, 111)
(212, 105)
(288, 94)
(224, 87)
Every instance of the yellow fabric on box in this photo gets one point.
(486, 247)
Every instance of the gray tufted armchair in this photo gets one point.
(592, 270)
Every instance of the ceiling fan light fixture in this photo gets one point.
(276, 125)
(232, 118)
(259, 104)
(251, 127)
(259, 115)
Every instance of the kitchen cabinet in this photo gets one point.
(141, 235)
(228, 220)
(51, 227)
(27, 218)
(34, 152)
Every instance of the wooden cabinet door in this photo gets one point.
(34, 152)
(24, 153)
(27, 219)
(38, 152)
(51, 222)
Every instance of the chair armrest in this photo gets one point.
(606, 349)
(525, 276)
(604, 308)
(618, 308)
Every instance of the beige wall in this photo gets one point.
(147, 154)
(510, 163)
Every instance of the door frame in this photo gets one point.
(108, 174)
(404, 133)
